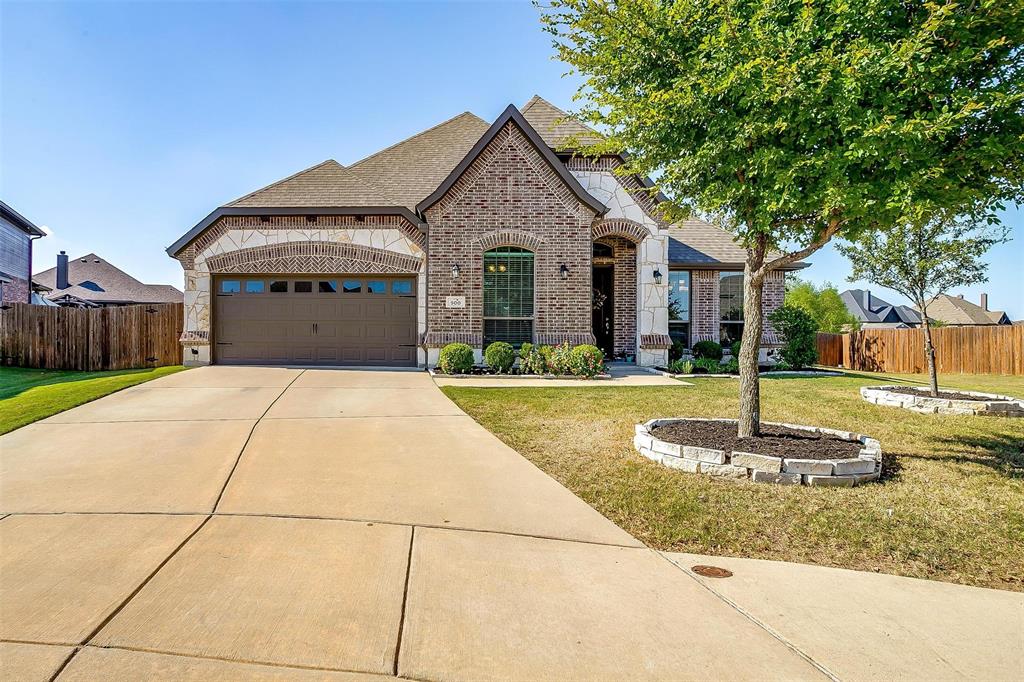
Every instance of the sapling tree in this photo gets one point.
(799, 121)
(823, 303)
(922, 260)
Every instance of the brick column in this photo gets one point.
(704, 311)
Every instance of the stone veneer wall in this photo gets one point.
(246, 244)
(627, 199)
(15, 291)
(510, 196)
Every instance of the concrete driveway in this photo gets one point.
(285, 524)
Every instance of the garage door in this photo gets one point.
(315, 320)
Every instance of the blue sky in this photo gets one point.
(124, 124)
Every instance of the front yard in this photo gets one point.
(950, 505)
(28, 395)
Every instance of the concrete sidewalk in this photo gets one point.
(274, 523)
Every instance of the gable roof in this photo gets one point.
(325, 184)
(867, 307)
(555, 126)
(511, 114)
(958, 311)
(20, 221)
(696, 243)
(91, 278)
(413, 168)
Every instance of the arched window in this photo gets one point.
(508, 295)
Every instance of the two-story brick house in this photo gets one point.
(469, 232)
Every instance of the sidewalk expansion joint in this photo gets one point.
(405, 601)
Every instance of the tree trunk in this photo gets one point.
(929, 353)
(750, 350)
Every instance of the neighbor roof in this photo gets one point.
(958, 311)
(20, 221)
(91, 278)
(867, 307)
(696, 243)
(555, 126)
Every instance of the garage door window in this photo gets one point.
(303, 287)
(230, 286)
(351, 286)
(402, 288)
(253, 286)
(329, 286)
(375, 286)
(508, 295)
(279, 287)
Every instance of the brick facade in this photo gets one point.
(704, 310)
(14, 291)
(510, 191)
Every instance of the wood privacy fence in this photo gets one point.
(997, 349)
(91, 338)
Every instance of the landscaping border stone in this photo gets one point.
(987, 405)
(845, 473)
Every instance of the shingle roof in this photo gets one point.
(867, 307)
(957, 311)
(554, 125)
(325, 184)
(411, 169)
(93, 279)
(699, 243)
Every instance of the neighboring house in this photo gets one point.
(90, 282)
(16, 236)
(874, 313)
(468, 232)
(955, 311)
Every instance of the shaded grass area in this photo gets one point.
(950, 505)
(28, 395)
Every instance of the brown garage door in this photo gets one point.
(315, 320)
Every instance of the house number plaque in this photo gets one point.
(455, 302)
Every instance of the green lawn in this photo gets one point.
(950, 505)
(28, 395)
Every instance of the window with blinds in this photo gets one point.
(508, 295)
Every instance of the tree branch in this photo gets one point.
(793, 257)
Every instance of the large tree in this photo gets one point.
(922, 260)
(823, 303)
(798, 121)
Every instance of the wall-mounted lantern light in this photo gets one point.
(564, 271)
(455, 271)
(657, 276)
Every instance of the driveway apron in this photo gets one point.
(278, 523)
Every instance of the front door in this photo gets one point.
(604, 308)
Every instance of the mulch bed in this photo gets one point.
(775, 441)
(945, 395)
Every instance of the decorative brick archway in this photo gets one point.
(508, 238)
(313, 258)
(620, 227)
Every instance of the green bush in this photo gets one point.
(735, 349)
(500, 356)
(455, 358)
(731, 366)
(707, 349)
(560, 360)
(676, 351)
(587, 361)
(799, 336)
(532, 359)
(707, 365)
(681, 367)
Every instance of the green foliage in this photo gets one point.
(681, 367)
(500, 356)
(799, 332)
(676, 350)
(734, 349)
(587, 361)
(730, 366)
(560, 360)
(706, 365)
(533, 359)
(823, 303)
(455, 358)
(707, 349)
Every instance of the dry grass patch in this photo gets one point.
(950, 505)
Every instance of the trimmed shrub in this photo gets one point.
(799, 336)
(455, 358)
(587, 361)
(707, 349)
(532, 359)
(731, 366)
(500, 356)
(676, 351)
(560, 361)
